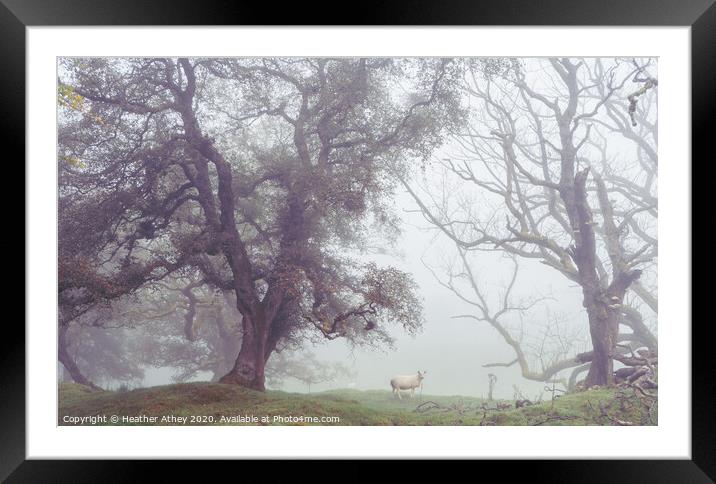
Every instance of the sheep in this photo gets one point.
(407, 382)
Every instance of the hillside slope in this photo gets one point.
(218, 404)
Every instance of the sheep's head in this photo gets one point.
(421, 375)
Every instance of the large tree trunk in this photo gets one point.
(604, 329)
(602, 303)
(250, 365)
(69, 363)
(603, 325)
(603, 309)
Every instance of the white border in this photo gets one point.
(671, 439)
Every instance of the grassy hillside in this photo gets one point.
(353, 407)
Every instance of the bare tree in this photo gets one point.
(552, 352)
(560, 156)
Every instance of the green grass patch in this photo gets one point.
(207, 403)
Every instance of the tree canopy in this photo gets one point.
(260, 177)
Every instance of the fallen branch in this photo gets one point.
(425, 406)
(552, 418)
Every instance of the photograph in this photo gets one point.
(416, 232)
(357, 241)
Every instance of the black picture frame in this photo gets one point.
(16, 15)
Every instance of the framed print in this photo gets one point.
(430, 234)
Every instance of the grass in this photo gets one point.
(605, 406)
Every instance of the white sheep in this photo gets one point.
(407, 382)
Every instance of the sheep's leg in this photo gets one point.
(399, 396)
(412, 392)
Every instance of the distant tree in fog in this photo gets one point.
(103, 355)
(306, 368)
(181, 326)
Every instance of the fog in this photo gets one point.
(455, 347)
(452, 351)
